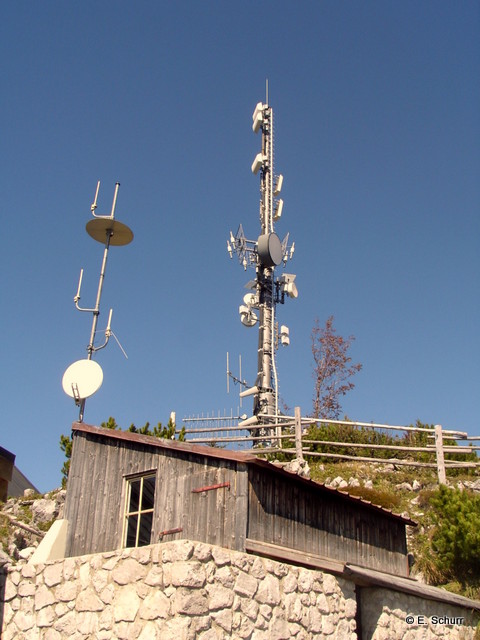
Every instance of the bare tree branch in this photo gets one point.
(332, 369)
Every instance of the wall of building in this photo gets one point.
(245, 498)
(175, 591)
(186, 590)
(389, 614)
(7, 461)
(96, 494)
(296, 515)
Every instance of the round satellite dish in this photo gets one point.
(270, 249)
(98, 227)
(82, 379)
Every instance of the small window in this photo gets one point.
(139, 511)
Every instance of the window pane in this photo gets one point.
(134, 496)
(148, 493)
(139, 510)
(146, 520)
(131, 531)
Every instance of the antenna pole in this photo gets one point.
(96, 310)
(81, 410)
(108, 231)
(264, 401)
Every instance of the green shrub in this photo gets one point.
(386, 498)
(347, 433)
(456, 536)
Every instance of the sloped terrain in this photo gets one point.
(24, 522)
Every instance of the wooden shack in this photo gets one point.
(127, 489)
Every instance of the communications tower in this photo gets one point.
(267, 289)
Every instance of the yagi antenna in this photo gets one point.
(84, 377)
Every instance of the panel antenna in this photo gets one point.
(84, 377)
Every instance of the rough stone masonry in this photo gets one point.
(189, 590)
(175, 591)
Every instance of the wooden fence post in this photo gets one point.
(442, 477)
(298, 433)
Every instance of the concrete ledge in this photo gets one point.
(53, 545)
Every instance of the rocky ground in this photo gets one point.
(24, 522)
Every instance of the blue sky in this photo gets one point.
(377, 133)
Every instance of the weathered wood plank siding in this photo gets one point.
(222, 498)
(209, 516)
(96, 495)
(285, 513)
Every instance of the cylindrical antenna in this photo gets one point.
(117, 184)
(228, 376)
(77, 297)
(94, 205)
(240, 372)
(108, 329)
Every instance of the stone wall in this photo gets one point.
(387, 615)
(175, 591)
(188, 590)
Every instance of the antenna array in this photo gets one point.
(266, 290)
(84, 377)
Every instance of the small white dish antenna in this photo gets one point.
(82, 379)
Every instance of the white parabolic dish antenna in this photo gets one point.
(82, 379)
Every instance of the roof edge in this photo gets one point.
(373, 578)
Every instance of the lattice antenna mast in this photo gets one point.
(83, 376)
(265, 254)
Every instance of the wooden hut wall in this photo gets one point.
(205, 497)
(96, 495)
(95, 491)
(291, 514)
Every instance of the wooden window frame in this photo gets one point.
(139, 512)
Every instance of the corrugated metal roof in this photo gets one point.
(247, 458)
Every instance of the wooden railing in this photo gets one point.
(289, 435)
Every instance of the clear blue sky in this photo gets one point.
(377, 126)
